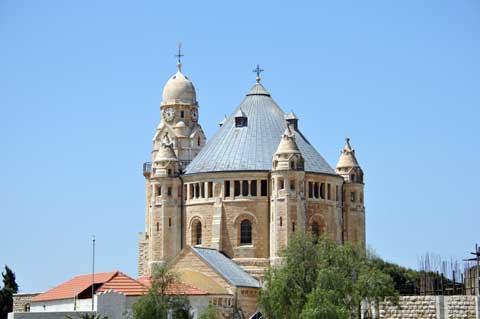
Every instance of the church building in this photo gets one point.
(245, 193)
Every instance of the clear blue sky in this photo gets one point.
(81, 83)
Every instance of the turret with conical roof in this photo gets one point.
(348, 166)
(288, 156)
(287, 207)
(353, 192)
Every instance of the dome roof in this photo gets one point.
(251, 147)
(179, 90)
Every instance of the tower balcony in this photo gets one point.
(147, 169)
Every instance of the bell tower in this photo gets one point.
(177, 140)
(287, 209)
(353, 196)
(179, 117)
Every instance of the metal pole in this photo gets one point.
(478, 270)
(93, 270)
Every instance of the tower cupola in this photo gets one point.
(166, 162)
(179, 90)
(288, 156)
(348, 166)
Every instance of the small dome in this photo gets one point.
(179, 90)
(180, 124)
(165, 153)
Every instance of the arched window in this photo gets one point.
(315, 232)
(246, 232)
(199, 141)
(198, 233)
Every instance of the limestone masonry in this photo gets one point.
(247, 191)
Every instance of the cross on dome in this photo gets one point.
(258, 70)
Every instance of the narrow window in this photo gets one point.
(253, 188)
(292, 184)
(336, 192)
(352, 178)
(159, 190)
(315, 232)
(310, 189)
(199, 141)
(245, 188)
(169, 191)
(236, 188)
(169, 222)
(226, 187)
(182, 114)
(352, 197)
(246, 232)
(198, 233)
(281, 221)
(280, 184)
(293, 227)
(315, 190)
(292, 165)
(169, 172)
(158, 226)
(329, 192)
(210, 189)
(322, 190)
(197, 190)
(202, 190)
(192, 192)
(263, 187)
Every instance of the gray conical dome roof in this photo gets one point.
(251, 147)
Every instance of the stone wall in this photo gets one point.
(415, 307)
(21, 302)
(457, 307)
(431, 307)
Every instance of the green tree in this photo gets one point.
(209, 313)
(158, 303)
(323, 281)
(10, 287)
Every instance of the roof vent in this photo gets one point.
(241, 120)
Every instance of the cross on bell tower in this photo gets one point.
(179, 56)
(258, 70)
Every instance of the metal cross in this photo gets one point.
(179, 54)
(258, 71)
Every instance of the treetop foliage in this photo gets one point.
(323, 280)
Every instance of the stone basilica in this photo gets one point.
(244, 193)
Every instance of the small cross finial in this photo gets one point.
(179, 56)
(258, 70)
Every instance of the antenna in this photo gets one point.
(93, 270)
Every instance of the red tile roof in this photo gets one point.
(124, 284)
(73, 287)
(114, 280)
(177, 288)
